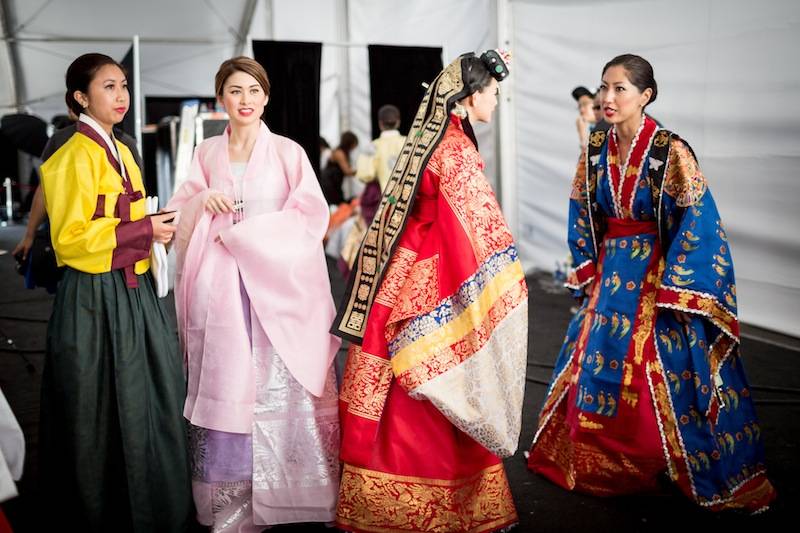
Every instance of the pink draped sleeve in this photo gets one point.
(282, 264)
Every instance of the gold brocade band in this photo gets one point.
(365, 383)
(379, 502)
(443, 358)
(427, 345)
(426, 131)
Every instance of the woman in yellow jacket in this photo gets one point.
(113, 443)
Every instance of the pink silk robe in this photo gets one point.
(277, 251)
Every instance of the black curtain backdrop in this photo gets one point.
(396, 74)
(294, 75)
(150, 170)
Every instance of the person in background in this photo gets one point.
(586, 117)
(374, 169)
(597, 108)
(377, 164)
(112, 440)
(342, 208)
(337, 169)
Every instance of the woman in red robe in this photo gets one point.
(436, 312)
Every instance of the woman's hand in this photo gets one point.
(218, 203)
(23, 246)
(163, 230)
(587, 291)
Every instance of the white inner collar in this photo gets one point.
(86, 119)
(92, 123)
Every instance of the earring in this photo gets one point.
(460, 111)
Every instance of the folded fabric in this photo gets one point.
(12, 451)
(158, 254)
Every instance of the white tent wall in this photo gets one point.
(208, 29)
(7, 96)
(346, 27)
(728, 83)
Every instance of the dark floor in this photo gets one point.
(541, 505)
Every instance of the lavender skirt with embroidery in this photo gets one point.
(286, 470)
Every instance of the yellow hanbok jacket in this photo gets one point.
(97, 217)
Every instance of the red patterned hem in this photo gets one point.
(755, 495)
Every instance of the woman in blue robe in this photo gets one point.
(649, 379)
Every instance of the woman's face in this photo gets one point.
(243, 98)
(621, 100)
(483, 103)
(106, 100)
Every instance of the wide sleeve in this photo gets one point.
(282, 264)
(579, 233)
(463, 345)
(306, 203)
(189, 200)
(82, 239)
(698, 277)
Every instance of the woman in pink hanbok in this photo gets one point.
(254, 306)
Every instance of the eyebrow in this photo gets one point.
(239, 86)
(112, 80)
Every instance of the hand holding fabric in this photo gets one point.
(163, 229)
(218, 203)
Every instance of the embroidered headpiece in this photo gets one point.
(497, 62)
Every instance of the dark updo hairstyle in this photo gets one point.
(81, 73)
(640, 73)
(475, 74)
(348, 141)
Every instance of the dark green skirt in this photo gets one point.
(113, 438)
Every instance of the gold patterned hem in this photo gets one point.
(373, 501)
(588, 468)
